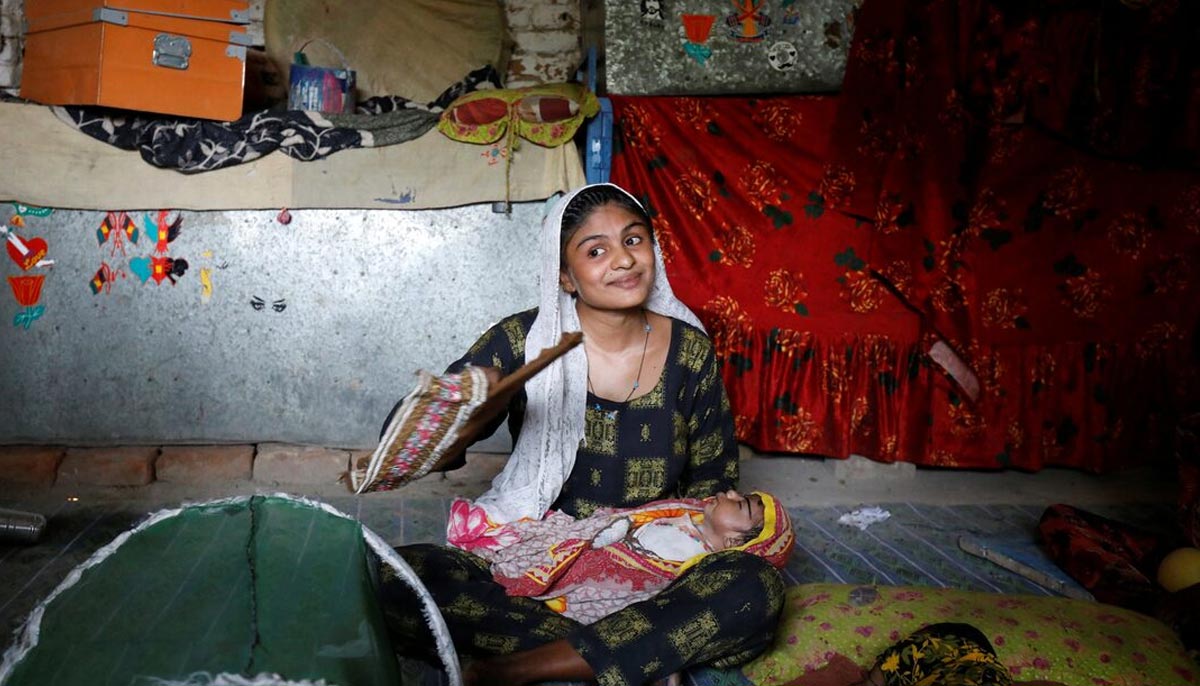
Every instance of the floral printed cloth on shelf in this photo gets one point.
(1074, 642)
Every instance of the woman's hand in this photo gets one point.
(612, 533)
(494, 374)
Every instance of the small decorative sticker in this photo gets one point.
(748, 24)
(27, 290)
(31, 211)
(141, 268)
(117, 227)
(167, 268)
(791, 13)
(206, 274)
(104, 278)
(164, 230)
(27, 253)
(782, 56)
(206, 289)
(652, 12)
(159, 268)
(697, 28)
(176, 267)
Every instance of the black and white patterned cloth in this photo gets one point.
(198, 145)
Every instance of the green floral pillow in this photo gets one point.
(1074, 642)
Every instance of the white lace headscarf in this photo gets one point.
(553, 428)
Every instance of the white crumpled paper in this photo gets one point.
(864, 517)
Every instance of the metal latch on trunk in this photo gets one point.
(171, 51)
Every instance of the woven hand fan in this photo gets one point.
(436, 422)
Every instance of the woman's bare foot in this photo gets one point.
(495, 671)
(555, 661)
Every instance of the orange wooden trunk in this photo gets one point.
(182, 57)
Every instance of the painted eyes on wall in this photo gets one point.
(259, 304)
(652, 12)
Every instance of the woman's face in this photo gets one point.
(609, 262)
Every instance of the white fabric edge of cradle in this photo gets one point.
(224, 679)
(29, 632)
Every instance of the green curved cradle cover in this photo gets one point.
(261, 590)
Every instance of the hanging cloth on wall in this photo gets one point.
(546, 115)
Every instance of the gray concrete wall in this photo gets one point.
(367, 297)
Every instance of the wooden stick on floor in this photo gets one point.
(981, 549)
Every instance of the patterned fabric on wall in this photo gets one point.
(818, 357)
(943, 102)
(1066, 279)
(1080, 314)
(1118, 78)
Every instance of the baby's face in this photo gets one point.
(729, 516)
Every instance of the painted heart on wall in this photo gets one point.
(26, 252)
(141, 268)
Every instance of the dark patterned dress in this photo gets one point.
(948, 654)
(676, 441)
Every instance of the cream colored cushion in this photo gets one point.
(1073, 642)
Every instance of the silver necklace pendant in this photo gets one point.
(638, 379)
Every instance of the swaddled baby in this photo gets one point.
(588, 568)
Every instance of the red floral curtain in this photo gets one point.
(1120, 77)
(818, 357)
(925, 82)
(1030, 172)
(1065, 279)
(1014, 179)
(939, 95)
